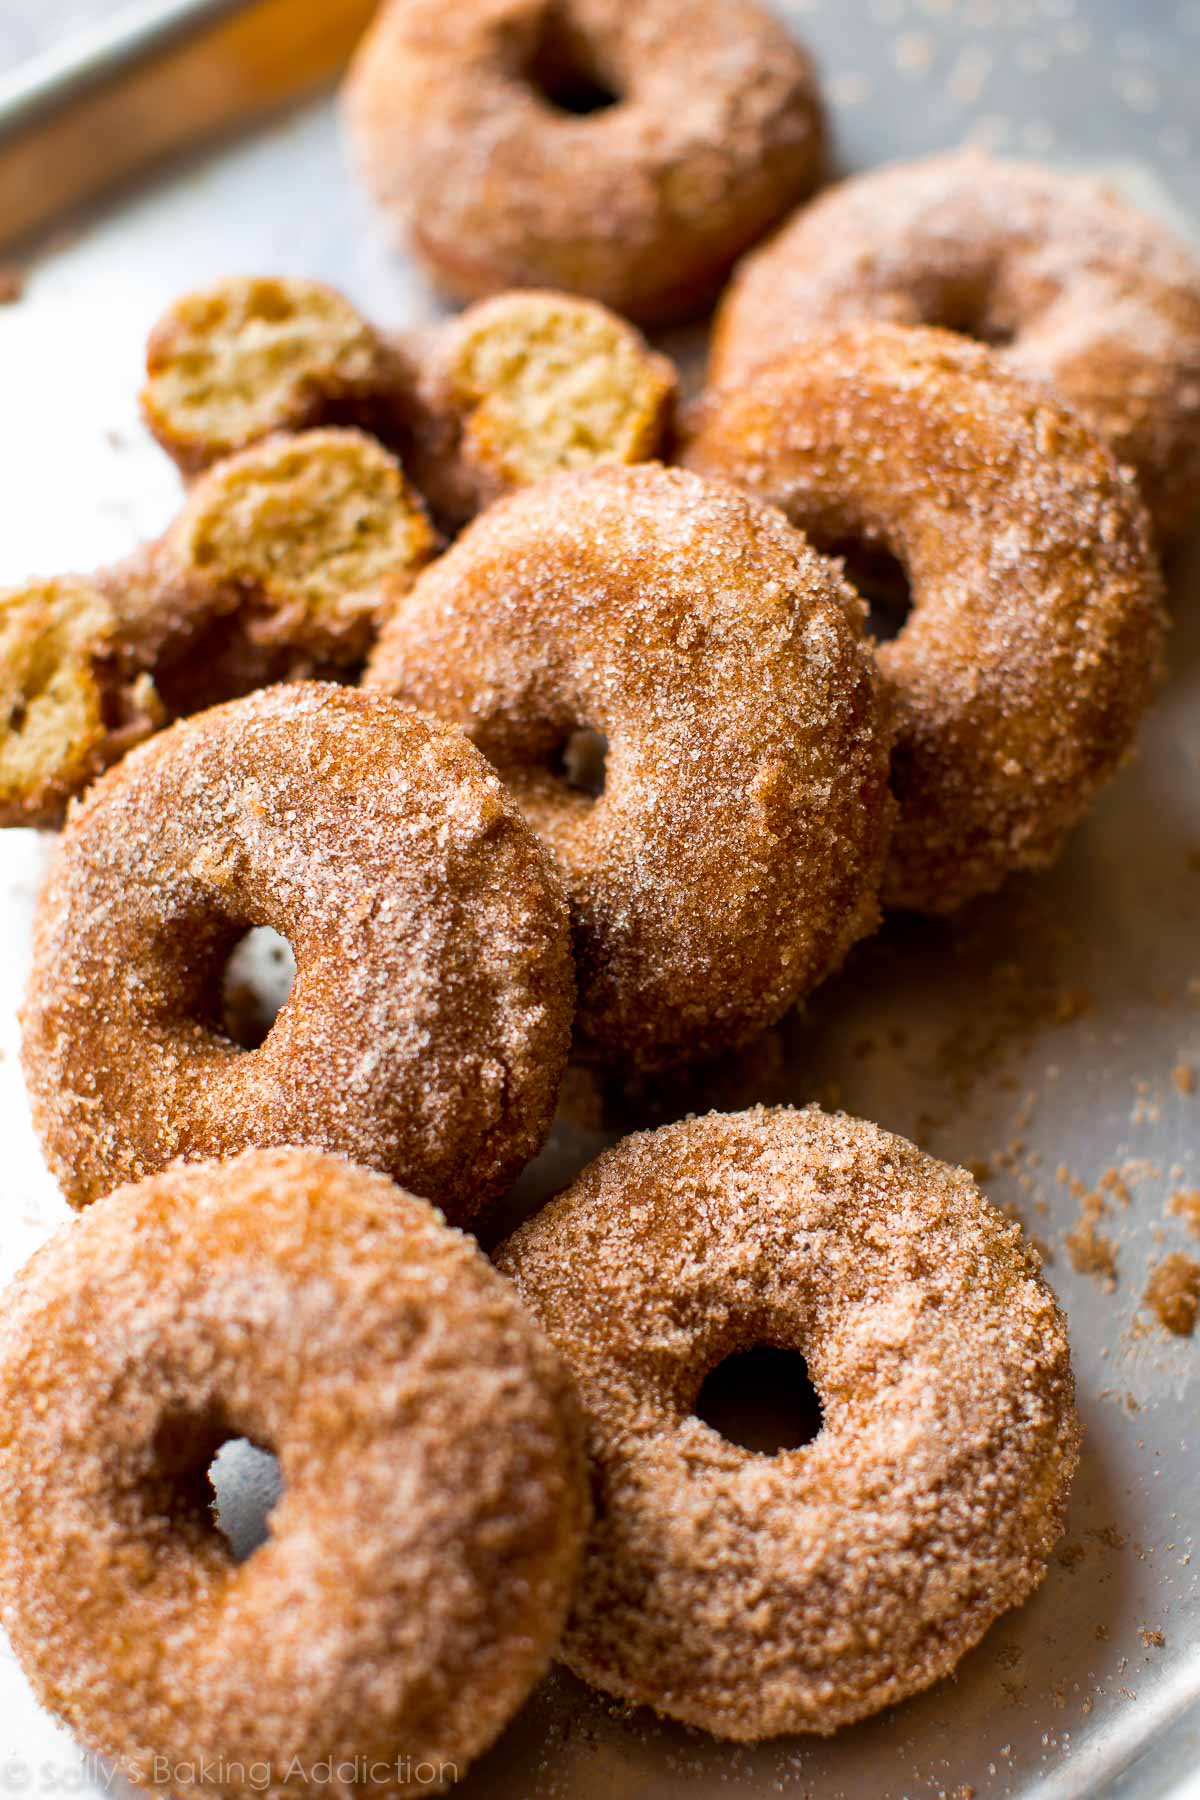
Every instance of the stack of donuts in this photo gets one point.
(541, 715)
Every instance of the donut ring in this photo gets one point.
(427, 1028)
(281, 564)
(1036, 632)
(1079, 288)
(733, 856)
(465, 119)
(420, 1560)
(754, 1595)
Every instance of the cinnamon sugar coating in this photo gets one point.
(1073, 284)
(483, 132)
(427, 1028)
(752, 1594)
(734, 853)
(420, 1559)
(280, 565)
(1036, 632)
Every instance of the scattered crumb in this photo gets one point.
(1069, 1556)
(1091, 1252)
(1173, 1293)
(1153, 1640)
(1185, 1204)
(1184, 1077)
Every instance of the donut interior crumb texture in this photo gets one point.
(229, 364)
(282, 564)
(69, 702)
(547, 383)
(419, 1563)
(320, 530)
(1173, 1292)
(753, 1595)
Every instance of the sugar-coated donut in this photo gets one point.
(427, 1028)
(482, 128)
(755, 1595)
(420, 1560)
(281, 564)
(1073, 284)
(734, 853)
(1037, 624)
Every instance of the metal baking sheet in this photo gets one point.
(1039, 1037)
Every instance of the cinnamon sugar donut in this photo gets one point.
(625, 152)
(1074, 285)
(753, 1594)
(1035, 635)
(419, 1563)
(733, 856)
(427, 1027)
(281, 564)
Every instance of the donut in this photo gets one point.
(281, 564)
(231, 363)
(427, 1028)
(520, 387)
(515, 388)
(1035, 635)
(628, 153)
(420, 1561)
(1073, 286)
(734, 853)
(755, 1594)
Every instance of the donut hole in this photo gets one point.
(881, 579)
(255, 983)
(246, 1487)
(565, 75)
(207, 1478)
(761, 1399)
(582, 761)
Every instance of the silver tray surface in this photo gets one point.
(1038, 1036)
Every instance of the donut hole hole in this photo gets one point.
(581, 761)
(881, 579)
(255, 983)
(207, 1477)
(246, 1487)
(565, 76)
(761, 1399)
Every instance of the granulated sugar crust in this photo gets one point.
(643, 205)
(1074, 286)
(421, 1557)
(754, 1595)
(735, 853)
(427, 1029)
(1036, 634)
